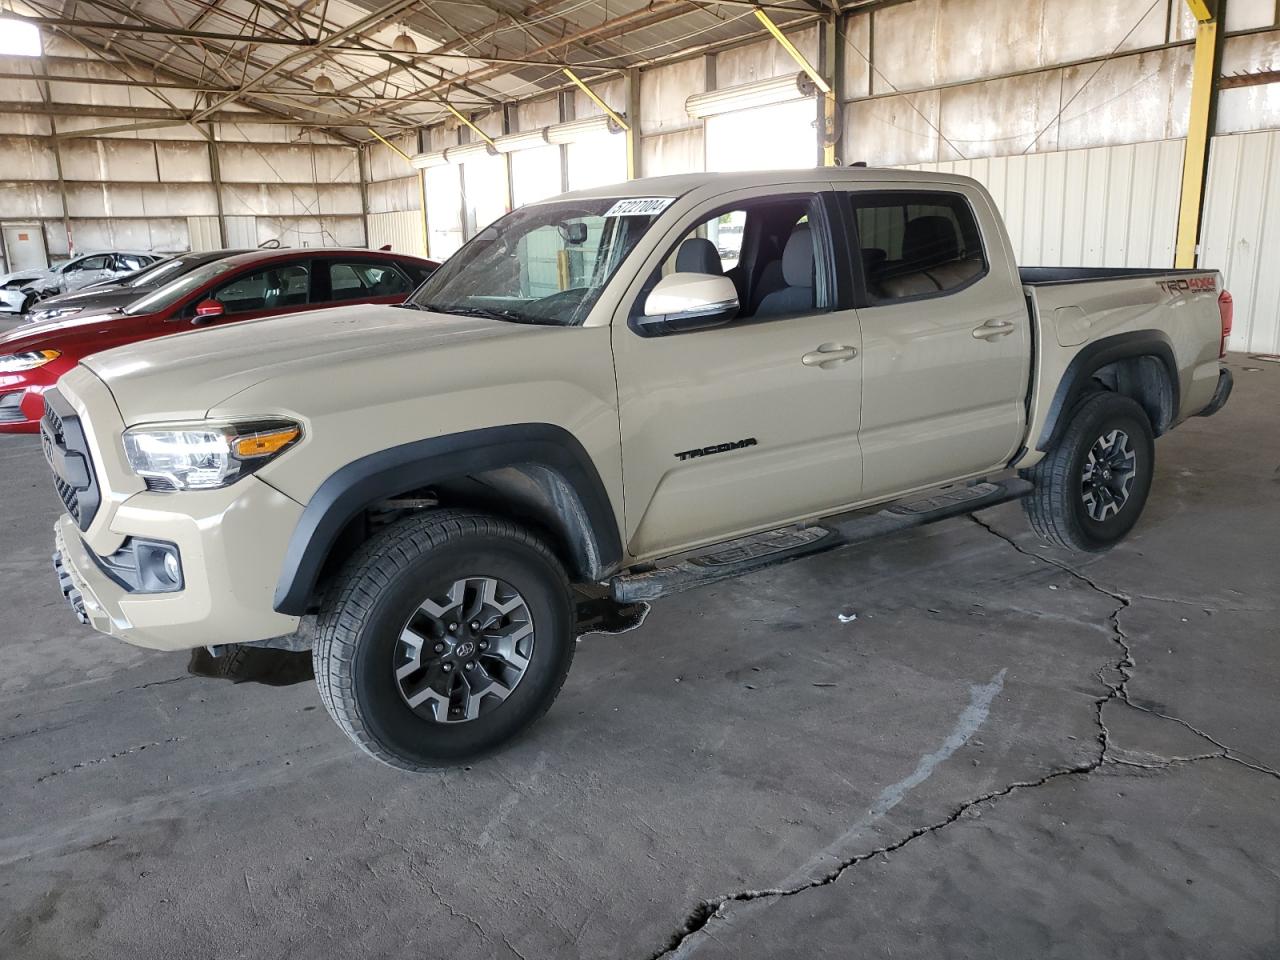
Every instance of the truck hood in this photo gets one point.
(309, 358)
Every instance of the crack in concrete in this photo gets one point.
(107, 759)
(682, 942)
(1127, 665)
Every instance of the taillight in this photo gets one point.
(1227, 310)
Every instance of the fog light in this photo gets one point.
(159, 566)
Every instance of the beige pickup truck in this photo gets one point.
(634, 389)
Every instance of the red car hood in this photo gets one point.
(58, 334)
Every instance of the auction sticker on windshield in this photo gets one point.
(640, 207)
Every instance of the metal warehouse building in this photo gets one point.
(639, 479)
(244, 125)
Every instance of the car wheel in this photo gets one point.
(29, 301)
(444, 637)
(1091, 488)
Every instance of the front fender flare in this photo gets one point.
(377, 476)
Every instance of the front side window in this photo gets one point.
(916, 244)
(89, 263)
(364, 280)
(547, 263)
(773, 250)
(268, 288)
(172, 292)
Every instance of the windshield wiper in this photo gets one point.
(489, 313)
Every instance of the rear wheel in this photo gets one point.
(443, 638)
(1091, 488)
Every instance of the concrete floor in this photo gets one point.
(1011, 752)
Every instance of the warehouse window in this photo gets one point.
(916, 244)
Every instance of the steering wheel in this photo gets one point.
(565, 300)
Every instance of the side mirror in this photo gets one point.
(689, 301)
(207, 310)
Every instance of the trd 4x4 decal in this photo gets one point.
(1187, 285)
(716, 448)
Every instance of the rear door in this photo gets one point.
(946, 335)
(360, 280)
(754, 423)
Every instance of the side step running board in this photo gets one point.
(773, 547)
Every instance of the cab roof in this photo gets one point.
(677, 185)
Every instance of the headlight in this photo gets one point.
(53, 313)
(203, 456)
(17, 362)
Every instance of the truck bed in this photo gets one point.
(1045, 276)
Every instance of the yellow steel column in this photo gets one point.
(422, 191)
(1193, 166)
(829, 106)
(620, 121)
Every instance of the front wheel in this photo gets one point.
(1090, 489)
(444, 637)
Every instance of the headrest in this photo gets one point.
(797, 258)
(698, 255)
(930, 240)
(873, 258)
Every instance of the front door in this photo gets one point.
(754, 423)
(946, 336)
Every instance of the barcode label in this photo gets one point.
(640, 207)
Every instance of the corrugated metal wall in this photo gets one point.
(1241, 233)
(1100, 207)
(400, 228)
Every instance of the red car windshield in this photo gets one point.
(171, 293)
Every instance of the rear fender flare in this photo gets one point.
(1076, 380)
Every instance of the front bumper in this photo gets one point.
(232, 543)
(11, 299)
(1220, 395)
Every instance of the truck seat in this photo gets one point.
(797, 272)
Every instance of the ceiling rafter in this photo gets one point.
(264, 54)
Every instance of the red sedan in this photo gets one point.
(263, 283)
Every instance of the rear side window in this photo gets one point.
(364, 280)
(916, 244)
(268, 288)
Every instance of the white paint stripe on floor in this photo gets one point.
(967, 724)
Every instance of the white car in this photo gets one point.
(20, 289)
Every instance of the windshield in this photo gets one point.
(161, 271)
(174, 291)
(546, 263)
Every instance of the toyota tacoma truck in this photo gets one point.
(608, 395)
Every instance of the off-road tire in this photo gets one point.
(380, 587)
(1056, 508)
